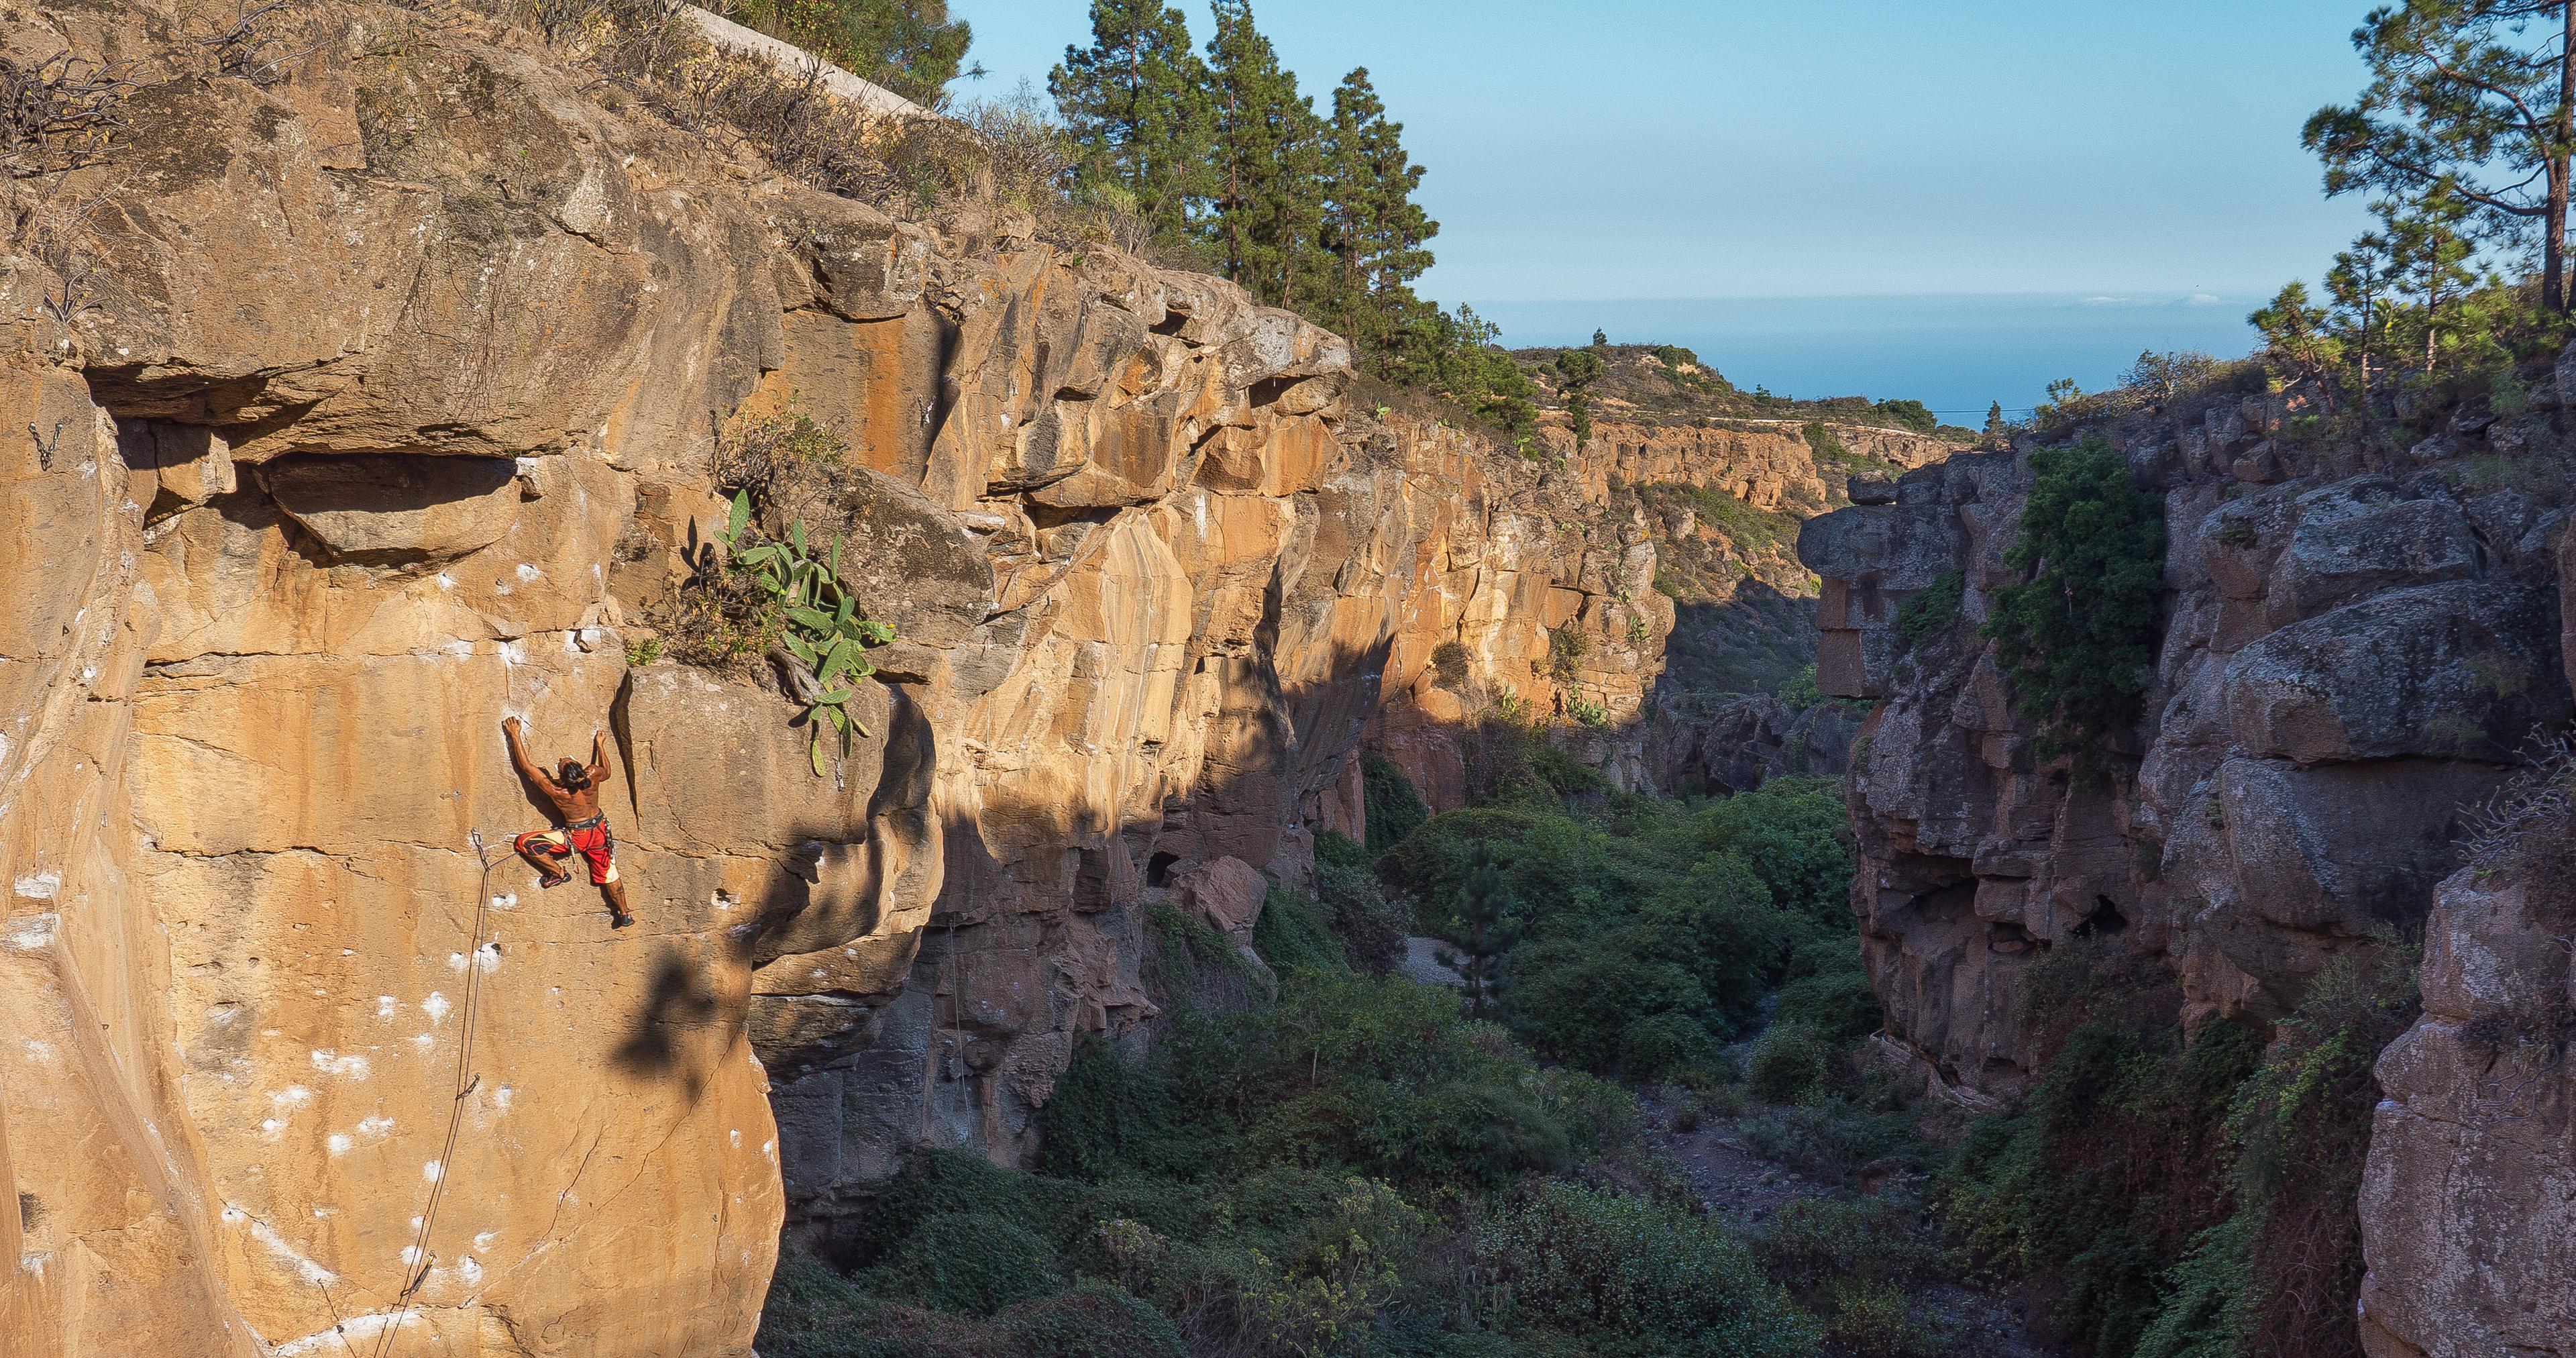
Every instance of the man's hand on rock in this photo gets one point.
(510, 724)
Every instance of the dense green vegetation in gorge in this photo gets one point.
(1353, 1165)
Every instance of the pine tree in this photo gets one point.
(1995, 426)
(2475, 99)
(1136, 103)
(1576, 370)
(1482, 929)
(2428, 255)
(2357, 284)
(1372, 227)
(1268, 216)
(2300, 332)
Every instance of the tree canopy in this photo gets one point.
(1136, 102)
(1223, 156)
(2472, 102)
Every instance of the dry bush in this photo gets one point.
(253, 40)
(787, 461)
(59, 230)
(63, 113)
(2543, 793)
(66, 114)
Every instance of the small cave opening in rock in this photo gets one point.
(1171, 323)
(2105, 920)
(1158, 869)
(1047, 517)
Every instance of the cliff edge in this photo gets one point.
(372, 385)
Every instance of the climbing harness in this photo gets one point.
(467, 1080)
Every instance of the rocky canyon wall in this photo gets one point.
(374, 396)
(2359, 645)
(1769, 465)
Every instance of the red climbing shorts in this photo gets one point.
(589, 838)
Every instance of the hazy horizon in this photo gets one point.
(1955, 353)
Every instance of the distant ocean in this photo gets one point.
(1954, 354)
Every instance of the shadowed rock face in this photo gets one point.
(394, 416)
(2470, 1193)
(2354, 651)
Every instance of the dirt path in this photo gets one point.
(1421, 962)
(1738, 1184)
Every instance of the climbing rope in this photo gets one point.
(466, 1082)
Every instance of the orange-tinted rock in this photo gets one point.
(381, 442)
(1226, 893)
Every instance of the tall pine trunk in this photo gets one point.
(2553, 250)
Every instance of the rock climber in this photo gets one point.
(574, 790)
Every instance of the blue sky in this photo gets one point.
(2088, 167)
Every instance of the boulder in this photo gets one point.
(1227, 894)
(2339, 848)
(2460, 670)
(2359, 537)
(2468, 1202)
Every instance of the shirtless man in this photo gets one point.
(574, 789)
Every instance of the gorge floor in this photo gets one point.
(1747, 1189)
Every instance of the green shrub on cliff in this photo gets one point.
(2103, 1176)
(813, 1311)
(2079, 636)
(1799, 690)
(1271, 1181)
(1394, 806)
(2187, 1200)
(1293, 932)
(2279, 1275)
(1932, 610)
(1089, 1320)
(1636, 909)
(968, 1263)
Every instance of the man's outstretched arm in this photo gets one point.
(598, 757)
(519, 753)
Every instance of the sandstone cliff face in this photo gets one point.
(2356, 649)
(1278, 628)
(378, 405)
(1768, 464)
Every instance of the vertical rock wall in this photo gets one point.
(2358, 647)
(379, 404)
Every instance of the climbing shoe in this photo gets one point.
(620, 921)
(551, 880)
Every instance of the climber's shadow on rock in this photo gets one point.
(678, 1004)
